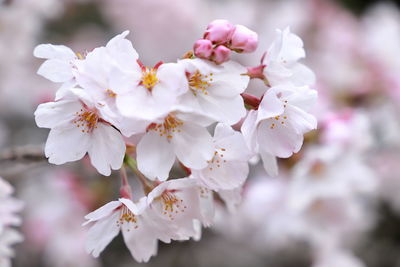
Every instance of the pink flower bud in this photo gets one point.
(203, 48)
(221, 54)
(219, 31)
(244, 40)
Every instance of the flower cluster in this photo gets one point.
(8, 236)
(108, 95)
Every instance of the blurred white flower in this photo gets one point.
(281, 61)
(9, 206)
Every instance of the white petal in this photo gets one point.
(101, 234)
(228, 175)
(303, 97)
(233, 143)
(227, 110)
(122, 51)
(155, 156)
(280, 141)
(51, 114)
(56, 70)
(172, 78)
(140, 239)
(107, 149)
(302, 75)
(277, 73)
(269, 162)
(230, 82)
(53, 51)
(141, 104)
(122, 82)
(135, 208)
(64, 89)
(66, 143)
(248, 130)
(270, 106)
(193, 145)
(300, 120)
(102, 212)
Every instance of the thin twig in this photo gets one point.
(23, 153)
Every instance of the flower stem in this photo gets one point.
(125, 190)
(131, 163)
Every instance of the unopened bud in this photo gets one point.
(219, 31)
(244, 40)
(221, 54)
(203, 48)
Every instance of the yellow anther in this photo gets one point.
(149, 78)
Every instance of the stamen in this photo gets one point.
(170, 125)
(87, 119)
(149, 78)
(172, 205)
(127, 217)
(110, 93)
(200, 83)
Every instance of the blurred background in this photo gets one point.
(334, 204)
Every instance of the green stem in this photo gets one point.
(132, 164)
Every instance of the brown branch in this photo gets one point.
(29, 153)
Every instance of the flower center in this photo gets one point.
(110, 93)
(80, 56)
(87, 119)
(170, 125)
(172, 205)
(217, 160)
(200, 83)
(149, 78)
(127, 217)
(278, 119)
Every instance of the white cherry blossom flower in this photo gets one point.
(141, 92)
(178, 205)
(228, 169)
(180, 135)
(282, 63)
(128, 217)
(276, 129)
(76, 128)
(214, 90)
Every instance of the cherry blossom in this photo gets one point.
(180, 135)
(215, 89)
(128, 217)
(77, 128)
(177, 205)
(228, 169)
(281, 61)
(276, 129)
(142, 92)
